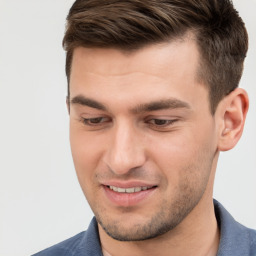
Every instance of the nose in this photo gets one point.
(125, 151)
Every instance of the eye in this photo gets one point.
(95, 121)
(161, 122)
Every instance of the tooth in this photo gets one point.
(115, 189)
(121, 190)
(130, 190)
(137, 189)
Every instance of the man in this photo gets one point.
(153, 98)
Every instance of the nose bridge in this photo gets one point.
(125, 150)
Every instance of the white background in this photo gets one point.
(40, 199)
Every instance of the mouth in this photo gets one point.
(129, 195)
(129, 190)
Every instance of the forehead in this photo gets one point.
(152, 59)
(150, 72)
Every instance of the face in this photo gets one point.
(142, 136)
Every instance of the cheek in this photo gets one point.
(170, 150)
(182, 155)
(86, 154)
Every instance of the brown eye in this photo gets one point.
(95, 121)
(160, 122)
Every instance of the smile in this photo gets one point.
(129, 190)
(129, 195)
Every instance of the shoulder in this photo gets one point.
(86, 243)
(246, 239)
(252, 240)
(235, 239)
(66, 247)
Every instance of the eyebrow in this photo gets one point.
(81, 100)
(170, 103)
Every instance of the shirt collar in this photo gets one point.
(234, 238)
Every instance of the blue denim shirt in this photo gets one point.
(235, 239)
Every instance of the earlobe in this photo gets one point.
(234, 108)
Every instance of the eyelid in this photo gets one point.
(89, 121)
(161, 127)
(162, 117)
(168, 121)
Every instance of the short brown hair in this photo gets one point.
(131, 24)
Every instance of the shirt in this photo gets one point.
(235, 239)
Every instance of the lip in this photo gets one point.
(129, 184)
(128, 199)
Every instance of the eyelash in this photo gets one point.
(154, 123)
(90, 121)
(163, 122)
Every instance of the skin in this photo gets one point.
(144, 117)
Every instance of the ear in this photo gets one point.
(232, 111)
(68, 104)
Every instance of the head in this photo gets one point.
(153, 99)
